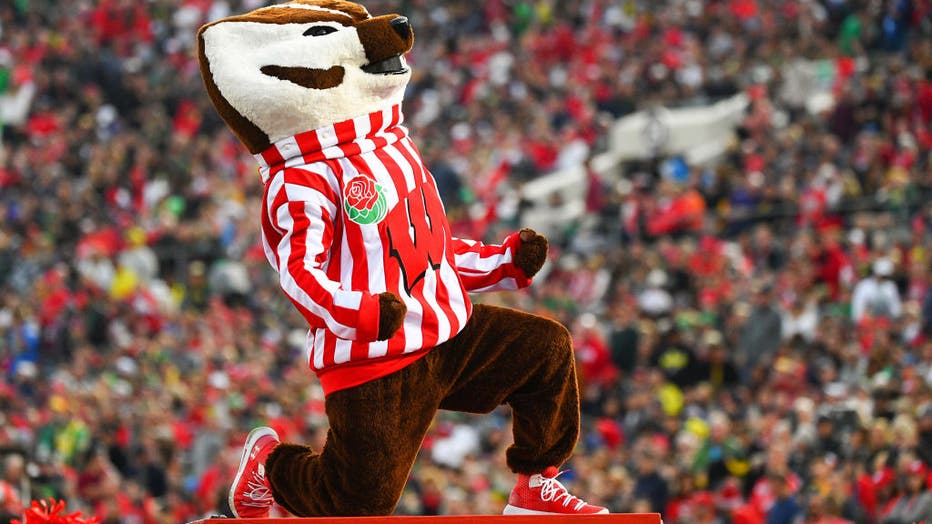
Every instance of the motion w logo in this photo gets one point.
(415, 241)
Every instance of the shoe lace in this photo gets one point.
(552, 490)
(258, 494)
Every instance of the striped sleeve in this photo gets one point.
(303, 211)
(489, 267)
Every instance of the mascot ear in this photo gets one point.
(532, 252)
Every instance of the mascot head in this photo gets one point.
(293, 67)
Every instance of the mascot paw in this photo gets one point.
(532, 252)
(391, 315)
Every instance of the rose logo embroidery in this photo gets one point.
(364, 201)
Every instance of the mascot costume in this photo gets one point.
(353, 223)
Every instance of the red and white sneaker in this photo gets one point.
(250, 494)
(542, 494)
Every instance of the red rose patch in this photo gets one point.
(364, 201)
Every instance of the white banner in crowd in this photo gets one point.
(699, 134)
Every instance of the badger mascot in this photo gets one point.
(353, 223)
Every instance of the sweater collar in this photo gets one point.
(348, 138)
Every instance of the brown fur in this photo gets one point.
(307, 77)
(302, 16)
(391, 315)
(502, 356)
(381, 41)
(287, 16)
(532, 253)
(357, 11)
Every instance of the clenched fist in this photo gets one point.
(532, 252)
(391, 315)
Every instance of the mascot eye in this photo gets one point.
(320, 30)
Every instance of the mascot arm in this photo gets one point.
(308, 232)
(511, 265)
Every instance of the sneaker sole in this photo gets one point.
(515, 510)
(251, 440)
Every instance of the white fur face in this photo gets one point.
(236, 52)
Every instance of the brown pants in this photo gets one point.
(502, 356)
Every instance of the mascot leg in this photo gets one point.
(502, 356)
(505, 356)
(375, 432)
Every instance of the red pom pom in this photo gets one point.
(51, 512)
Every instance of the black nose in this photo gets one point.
(401, 26)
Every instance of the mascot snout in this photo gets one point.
(385, 39)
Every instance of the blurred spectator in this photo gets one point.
(876, 296)
(625, 338)
(674, 357)
(821, 509)
(761, 332)
(916, 503)
(650, 485)
(800, 318)
(785, 508)
(885, 492)
(12, 481)
(924, 447)
(721, 455)
(703, 509)
(716, 367)
(592, 352)
(98, 483)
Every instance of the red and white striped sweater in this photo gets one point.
(349, 212)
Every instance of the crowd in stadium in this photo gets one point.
(753, 335)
